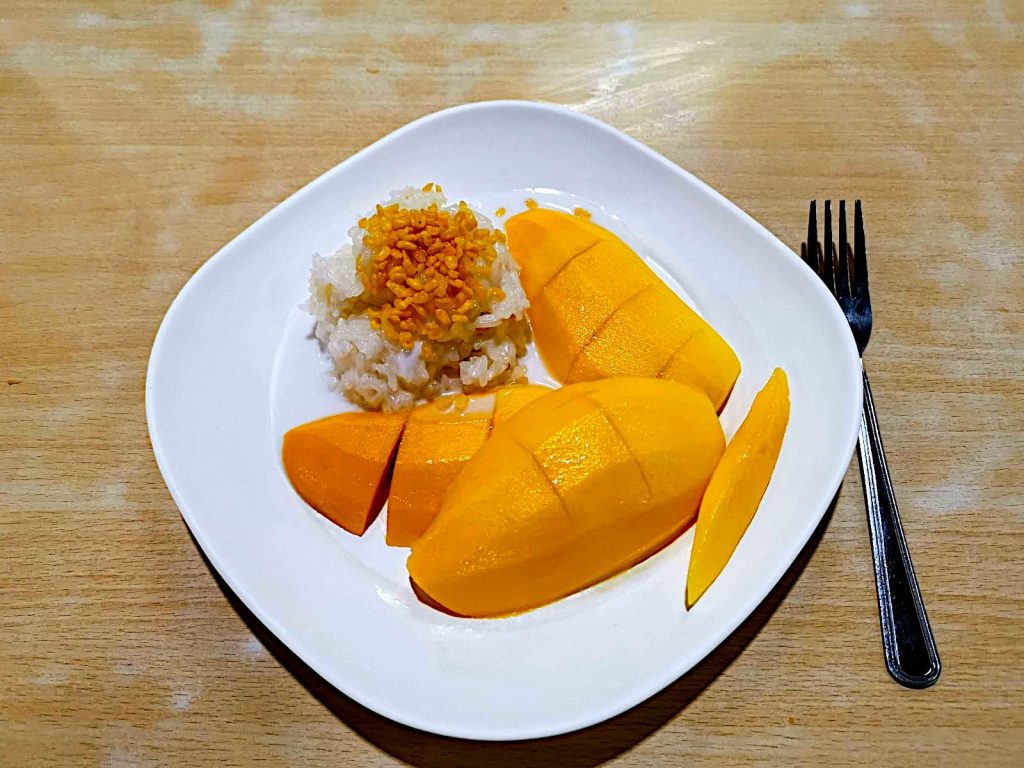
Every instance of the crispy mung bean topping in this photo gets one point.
(422, 277)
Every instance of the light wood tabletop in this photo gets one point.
(137, 138)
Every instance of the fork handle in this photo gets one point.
(910, 653)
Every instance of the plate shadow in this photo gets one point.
(581, 749)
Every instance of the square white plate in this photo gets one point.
(233, 366)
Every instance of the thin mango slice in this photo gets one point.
(599, 311)
(581, 484)
(341, 465)
(439, 439)
(738, 484)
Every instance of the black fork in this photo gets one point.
(910, 653)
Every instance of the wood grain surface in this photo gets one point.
(137, 138)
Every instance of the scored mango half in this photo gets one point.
(737, 485)
(580, 484)
(598, 311)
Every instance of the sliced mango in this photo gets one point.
(439, 439)
(737, 485)
(598, 310)
(584, 482)
(509, 400)
(341, 465)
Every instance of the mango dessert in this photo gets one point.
(340, 465)
(598, 311)
(579, 485)
(515, 497)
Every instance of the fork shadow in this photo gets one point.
(581, 749)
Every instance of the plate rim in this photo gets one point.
(594, 716)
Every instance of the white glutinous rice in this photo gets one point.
(377, 372)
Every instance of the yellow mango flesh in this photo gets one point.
(598, 311)
(340, 465)
(737, 485)
(579, 485)
(590, 291)
(509, 400)
(440, 437)
(558, 236)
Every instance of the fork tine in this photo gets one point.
(809, 250)
(860, 255)
(826, 271)
(841, 262)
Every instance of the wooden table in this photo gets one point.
(136, 139)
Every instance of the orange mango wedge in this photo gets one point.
(598, 311)
(737, 485)
(340, 465)
(440, 437)
(582, 483)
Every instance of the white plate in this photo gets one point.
(233, 366)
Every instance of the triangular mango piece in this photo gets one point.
(341, 465)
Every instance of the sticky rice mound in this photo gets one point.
(426, 300)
